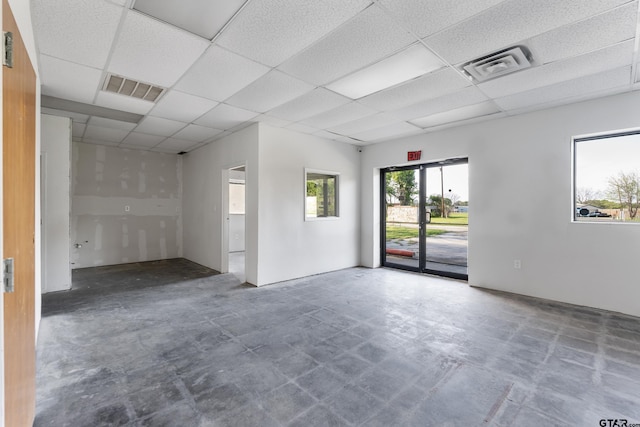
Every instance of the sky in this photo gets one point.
(456, 179)
(600, 159)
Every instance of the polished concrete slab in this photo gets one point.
(174, 344)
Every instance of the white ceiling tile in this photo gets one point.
(567, 90)
(99, 133)
(466, 122)
(137, 139)
(211, 16)
(225, 117)
(337, 116)
(79, 31)
(365, 39)
(401, 67)
(159, 126)
(197, 133)
(395, 130)
(426, 17)
(270, 31)
(99, 142)
(364, 124)
(269, 91)
(218, 137)
(309, 104)
(429, 86)
(270, 120)
(509, 23)
(605, 59)
(298, 127)
(335, 137)
(122, 102)
(146, 47)
(180, 106)
(176, 145)
(585, 36)
(110, 123)
(218, 74)
(75, 117)
(165, 150)
(77, 129)
(67, 80)
(458, 114)
(467, 96)
(132, 147)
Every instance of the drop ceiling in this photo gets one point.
(356, 71)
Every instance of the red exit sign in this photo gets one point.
(414, 155)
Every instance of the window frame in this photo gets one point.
(336, 176)
(574, 152)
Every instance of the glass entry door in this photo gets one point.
(425, 215)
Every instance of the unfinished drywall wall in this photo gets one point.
(520, 193)
(126, 206)
(203, 204)
(291, 247)
(56, 202)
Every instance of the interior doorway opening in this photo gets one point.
(425, 212)
(236, 222)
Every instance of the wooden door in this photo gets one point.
(18, 157)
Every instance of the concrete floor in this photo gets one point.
(237, 265)
(168, 344)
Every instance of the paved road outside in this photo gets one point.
(449, 248)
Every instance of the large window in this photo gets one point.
(321, 191)
(607, 177)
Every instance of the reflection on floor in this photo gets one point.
(431, 266)
(353, 347)
(236, 265)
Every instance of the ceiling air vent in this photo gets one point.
(498, 64)
(128, 87)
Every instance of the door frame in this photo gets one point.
(422, 220)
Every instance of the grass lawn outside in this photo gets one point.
(408, 232)
(458, 218)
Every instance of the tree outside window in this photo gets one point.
(321, 194)
(607, 177)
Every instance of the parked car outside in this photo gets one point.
(599, 214)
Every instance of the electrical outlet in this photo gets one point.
(127, 208)
(517, 264)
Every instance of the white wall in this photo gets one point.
(126, 205)
(520, 193)
(280, 245)
(56, 203)
(291, 247)
(236, 233)
(203, 199)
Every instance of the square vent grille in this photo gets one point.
(498, 64)
(135, 89)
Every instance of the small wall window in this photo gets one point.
(321, 194)
(607, 178)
